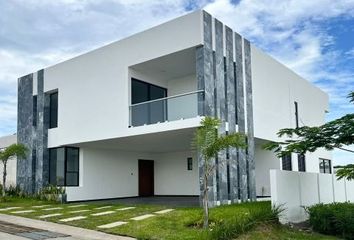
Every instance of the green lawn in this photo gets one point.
(182, 223)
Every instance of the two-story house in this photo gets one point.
(119, 121)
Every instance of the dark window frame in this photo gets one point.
(323, 160)
(53, 123)
(190, 164)
(34, 122)
(287, 159)
(301, 160)
(65, 167)
(296, 114)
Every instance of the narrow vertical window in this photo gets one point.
(286, 162)
(296, 115)
(53, 110)
(34, 123)
(325, 166)
(190, 163)
(301, 159)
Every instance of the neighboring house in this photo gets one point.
(6, 141)
(119, 121)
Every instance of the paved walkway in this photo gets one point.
(75, 233)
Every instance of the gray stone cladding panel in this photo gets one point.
(205, 81)
(42, 162)
(25, 131)
(231, 112)
(242, 164)
(220, 108)
(250, 130)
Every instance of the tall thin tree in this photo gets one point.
(209, 144)
(14, 150)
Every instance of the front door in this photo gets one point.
(146, 178)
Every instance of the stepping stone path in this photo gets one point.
(102, 213)
(79, 211)
(99, 208)
(77, 206)
(51, 209)
(142, 217)
(72, 219)
(50, 215)
(112, 225)
(23, 211)
(41, 206)
(9, 208)
(164, 211)
(126, 208)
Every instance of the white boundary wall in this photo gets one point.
(294, 190)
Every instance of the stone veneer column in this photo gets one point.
(242, 164)
(205, 81)
(42, 163)
(220, 108)
(231, 112)
(250, 132)
(25, 132)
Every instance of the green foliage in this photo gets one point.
(14, 150)
(15, 191)
(50, 193)
(235, 226)
(333, 219)
(346, 172)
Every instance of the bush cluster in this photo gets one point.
(49, 193)
(333, 219)
(234, 227)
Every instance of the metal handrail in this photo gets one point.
(166, 98)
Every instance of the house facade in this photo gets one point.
(6, 141)
(119, 121)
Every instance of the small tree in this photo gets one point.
(14, 150)
(209, 143)
(337, 133)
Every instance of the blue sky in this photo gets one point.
(313, 38)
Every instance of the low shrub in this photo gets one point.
(15, 191)
(51, 193)
(234, 227)
(333, 219)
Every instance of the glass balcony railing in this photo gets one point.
(171, 108)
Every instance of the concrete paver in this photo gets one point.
(126, 208)
(72, 219)
(102, 213)
(142, 217)
(50, 215)
(74, 232)
(164, 211)
(112, 225)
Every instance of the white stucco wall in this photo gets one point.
(108, 173)
(172, 176)
(94, 87)
(275, 89)
(294, 190)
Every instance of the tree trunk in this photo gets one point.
(4, 179)
(205, 201)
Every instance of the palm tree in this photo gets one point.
(14, 150)
(209, 143)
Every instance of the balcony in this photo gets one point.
(172, 108)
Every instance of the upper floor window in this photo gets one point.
(64, 166)
(34, 123)
(301, 160)
(286, 162)
(325, 166)
(151, 112)
(296, 114)
(53, 110)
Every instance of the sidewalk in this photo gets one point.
(75, 233)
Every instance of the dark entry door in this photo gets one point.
(146, 178)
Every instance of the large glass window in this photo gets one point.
(325, 166)
(147, 113)
(286, 162)
(53, 110)
(64, 166)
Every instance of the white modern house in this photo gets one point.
(119, 121)
(6, 141)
